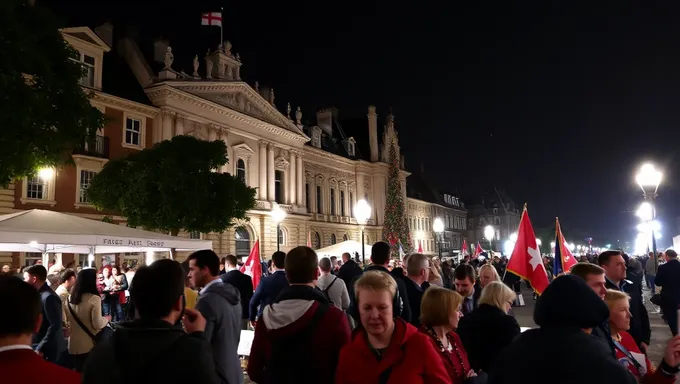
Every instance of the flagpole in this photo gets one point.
(222, 28)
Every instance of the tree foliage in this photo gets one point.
(395, 229)
(173, 186)
(44, 113)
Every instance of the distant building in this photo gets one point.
(424, 204)
(498, 210)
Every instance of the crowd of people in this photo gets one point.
(328, 320)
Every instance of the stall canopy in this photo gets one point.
(338, 249)
(53, 232)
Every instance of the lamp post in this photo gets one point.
(489, 233)
(438, 227)
(649, 178)
(362, 211)
(278, 215)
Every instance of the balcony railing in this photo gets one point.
(97, 146)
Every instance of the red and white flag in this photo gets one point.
(420, 247)
(526, 261)
(253, 267)
(212, 18)
(463, 249)
(478, 251)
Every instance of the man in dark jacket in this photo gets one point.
(240, 281)
(464, 281)
(269, 288)
(668, 278)
(220, 304)
(154, 348)
(380, 257)
(566, 312)
(349, 271)
(614, 267)
(49, 340)
(417, 271)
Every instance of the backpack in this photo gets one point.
(287, 352)
(325, 291)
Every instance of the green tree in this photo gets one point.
(44, 113)
(172, 187)
(395, 228)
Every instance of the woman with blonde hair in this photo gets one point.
(385, 349)
(487, 274)
(439, 315)
(627, 351)
(488, 329)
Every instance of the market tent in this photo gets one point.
(44, 231)
(338, 249)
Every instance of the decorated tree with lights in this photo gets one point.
(395, 228)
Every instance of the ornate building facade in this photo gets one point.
(499, 211)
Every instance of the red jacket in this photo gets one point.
(411, 356)
(653, 376)
(291, 316)
(462, 365)
(26, 367)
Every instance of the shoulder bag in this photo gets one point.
(102, 335)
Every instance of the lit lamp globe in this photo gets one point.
(438, 226)
(46, 173)
(513, 237)
(277, 214)
(538, 242)
(489, 232)
(649, 178)
(362, 211)
(645, 211)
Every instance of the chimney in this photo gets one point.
(324, 119)
(402, 162)
(373, 132)
(105, 32)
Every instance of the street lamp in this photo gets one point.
(278, 215)
(489, 233)
(438, 228)
(362, 211)
(649, 178)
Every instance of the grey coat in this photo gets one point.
(220, 305)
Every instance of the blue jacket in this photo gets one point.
(266, 292)
(50, 338)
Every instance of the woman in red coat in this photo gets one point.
(439, 315)
(627, 351)
(385, 350)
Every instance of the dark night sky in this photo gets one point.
(556, 104)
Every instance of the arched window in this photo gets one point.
(316, 241)
(333, 239)
(345, 237)
(242, 240)
(281, 236)
(241, 170)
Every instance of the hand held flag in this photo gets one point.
(253, 267)
(564, 259)
(526, 261)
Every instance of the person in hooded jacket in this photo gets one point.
(385, 349)
(154, 348)
(566, 312)
(220, 304)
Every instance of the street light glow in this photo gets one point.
(648, 178)
(538, 242)
(513, 237)
(438, 225)
(645, 211)
(362, 211)
(489, 232)
(46, 173)
(277, 214)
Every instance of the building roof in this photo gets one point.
(118, 79)
(418, 187)
(497, 198)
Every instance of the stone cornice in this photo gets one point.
(117, 102)
(327, 155)
(158, 92)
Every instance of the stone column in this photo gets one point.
(179, 125)
(262, 162)
(292, 173)
(167, 117)
(271, 188)
(360, 186)
(300, 181)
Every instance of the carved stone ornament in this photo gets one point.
(271, 96)
(298, 116)
(169, 58)
(227, 48)
(281, 163)
(257, 86)
(238, 57)
(288, 110)
(208, 68)
(196, 65)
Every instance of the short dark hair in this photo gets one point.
(231, 260)
(38, 271)
(279, 259)
(333, 258)
(206, 258)
(23, 306)
(86, 282)
(325, 264)
(671, 254)
(301, 265)
(156, 288)
(380, 253)
(66, 275)
(584, 269)
(465, 271)
(606, 256)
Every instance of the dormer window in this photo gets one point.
(349, 145)
(316, 137)
(87, 64)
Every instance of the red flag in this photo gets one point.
(478, 251)
(253, 267)
(420, 247)
(463, 249)
(526, 261)
(567, 257)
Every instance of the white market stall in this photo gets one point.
(48, 232)
(338, 249)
